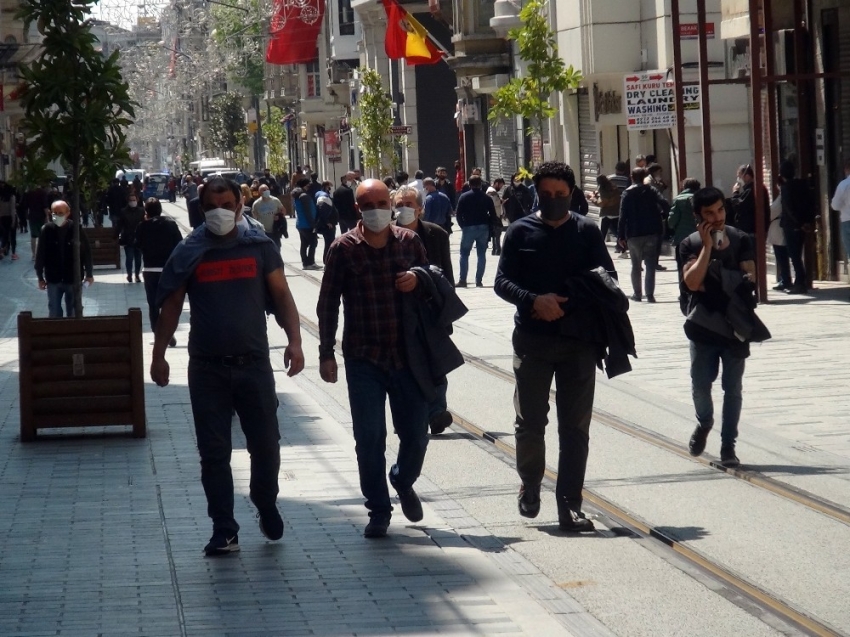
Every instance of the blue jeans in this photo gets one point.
(55, 293)
(845, 238)
(480, 236)
(783, 265)
(368, 388)
(795, 243)
(216, 390)
(644, 250)
(133, 255)
(705, 365)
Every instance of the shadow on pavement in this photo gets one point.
(795, 470)
(684, 533)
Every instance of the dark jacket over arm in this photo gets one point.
(436, 242)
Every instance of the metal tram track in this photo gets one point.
(762, 598)
(772, 485)
(766, 600)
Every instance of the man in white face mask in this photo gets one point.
(54, 260)
(407, 202)
(369, 268)
(233, 275)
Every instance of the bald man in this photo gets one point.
(369, 268)
(54, 260)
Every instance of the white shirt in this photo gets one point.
(420, 187)
(841, 200)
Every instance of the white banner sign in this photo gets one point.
(651, 101)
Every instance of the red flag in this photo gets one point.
(406, 38)
(295, 27)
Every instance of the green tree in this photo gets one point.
(546, 73)
(239, 35)
(374, 121)
(227, 124)
(275, 133)
(75, 101)
(34, 172)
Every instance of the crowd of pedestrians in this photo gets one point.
(390, 269)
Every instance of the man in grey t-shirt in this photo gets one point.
(268, 210)
(233, 274)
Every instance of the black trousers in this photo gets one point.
(309, 241)
(328, 234)
(537, 358)
(151, 283)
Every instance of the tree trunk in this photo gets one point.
(75, 217)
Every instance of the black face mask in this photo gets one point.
(554, 208)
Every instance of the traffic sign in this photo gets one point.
(401, 130)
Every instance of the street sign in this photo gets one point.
(401, 130)
(651, 101)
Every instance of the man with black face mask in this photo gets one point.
(552, 338)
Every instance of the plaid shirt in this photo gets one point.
(365, 278)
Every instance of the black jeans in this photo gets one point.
(496, 237)
(537, 358)
(795, 240)
(215, 390)
(608, 225)
(151, 283)
(309, 241)
(328, 234)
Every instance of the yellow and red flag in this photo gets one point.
(406, 38)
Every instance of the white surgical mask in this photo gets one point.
(220, 221)
(266, 194)
(133, 204)
(378, 219)
(405, 215)
(60, 220)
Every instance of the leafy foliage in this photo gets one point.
(275, 133)
(547, 73)
(375, 120)
(240, 36)
(227, 124)
(34, 172)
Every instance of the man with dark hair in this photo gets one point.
(798, 217)
(518, 200)
(369, 269)
(681, 221)
(476, 214)
(640, 225)
(269, 180)
(306, 222)
(438, 207)
(441, 181)
(551, 338)
(233, 275)
(193, 207)
(401, 178)
(343, 200)
(744, 202)
(710, 255)
(156, 238)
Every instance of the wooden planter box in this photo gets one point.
(81, 372)
(104, 246)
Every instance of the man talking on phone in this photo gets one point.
(708, 256)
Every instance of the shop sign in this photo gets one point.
(651, 101)
(332, 150)
(690, 30)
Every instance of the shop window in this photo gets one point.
(314, 79)
(346, 18)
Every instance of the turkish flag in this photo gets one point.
(294, 30)
(406, 38)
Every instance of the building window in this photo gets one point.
(486, 9)
(346, 18)
(314, 79)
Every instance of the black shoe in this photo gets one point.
(271, 524)
(650, 298)
(377, 527)
(797, 289)
(635, 297)
(728, 458)
(696, 445)
(529, 501)
(138, 279)
(461, 284)
(440, 423)
(172, 342)
(222, 543)
(129, 279)
(410, 504)
(574, 522)
(660, 268)
(479, 284)
(780, 288)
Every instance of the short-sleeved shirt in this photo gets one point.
(227, 299)
(264, 211)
